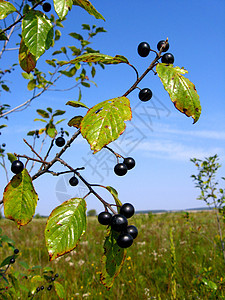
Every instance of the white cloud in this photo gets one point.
(172, 150)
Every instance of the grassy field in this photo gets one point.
(151, 271)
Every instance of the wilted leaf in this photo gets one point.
(105, 122)
(89, 8)
(65, 226)
(112, 259)
(75, 121)
(6, 8)
(76, 104)
(97, 57)
(27, 60)
(20, 199)
(181, 90)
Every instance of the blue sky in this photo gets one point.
(160, 138)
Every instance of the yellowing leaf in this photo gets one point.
(65, 226)
(20, 199)
(105, 122)
(181, 90)
(89, 8)
(97, 57)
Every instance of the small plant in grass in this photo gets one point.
(211, 193)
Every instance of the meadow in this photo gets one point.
(175, 256)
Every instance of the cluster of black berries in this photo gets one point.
(12, 260)
(168, 58)
(119, 223)
(38, 289)
(60, 141)
(121, 168)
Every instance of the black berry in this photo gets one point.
(53, 278)
(49, 287)
(104, 218)
(56, 275)
(129, 162)
(124, 240)
(119, 222)
(145, 94)
(132, 230)
(16, 251)
(167, 58)
(120, 169)
(162, 43)
(42, 287)
(38, 289)
(60, 141)
(17, 167)
(3, 145)
(127, 210)
(46, 7)
(12, 260)
(143, 49)
(73, 181)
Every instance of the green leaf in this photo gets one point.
(31, 133)
(98, 57)
(60, 291)
(6, 261)
(105, 122)
(181, 90)
(49, 109)
(43, 113)
(5, 87)
(60, 121)
(3, 126)
(58, 112)
(42, 120)
(20, 199)
(37, 32)
(62, 7)
(11, 157)
(86, 84)
(27, 60)
(89, 8)
(6, 8)
(65, 226)
(86, 27)
(51, 130)
(76, 104)
(31, 84)
(57, 34)
(75, 121)
(112, 259)
(209, 284)
(115, 196)
(76, 36)
(28, 76)
(3, 36)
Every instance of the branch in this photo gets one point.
(58, 155)
(88, 185)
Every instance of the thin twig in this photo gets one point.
(33, 150)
